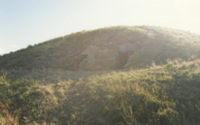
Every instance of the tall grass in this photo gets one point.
(161, 94)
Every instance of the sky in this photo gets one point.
(29, 22)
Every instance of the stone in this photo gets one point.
(90, 53)
(125, 51)
(109, 43)
(104, 50)
(152, 32)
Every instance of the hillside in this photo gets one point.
(158, 95)
(64, 52)
(157, 84)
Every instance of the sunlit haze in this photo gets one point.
(28, 22)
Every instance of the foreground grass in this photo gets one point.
(162, 95)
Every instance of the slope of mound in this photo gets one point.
(152, 44)
(160, 95)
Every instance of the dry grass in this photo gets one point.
(161, 94)
(5, 117)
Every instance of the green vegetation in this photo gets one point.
(160, 84)
(164, 94)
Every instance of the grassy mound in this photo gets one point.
(62, 52)
(161, 94)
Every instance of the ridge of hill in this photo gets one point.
(62, 52)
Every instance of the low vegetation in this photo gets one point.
(161, 94)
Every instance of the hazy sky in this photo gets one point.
(24, 22)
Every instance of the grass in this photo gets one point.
(161, 94)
